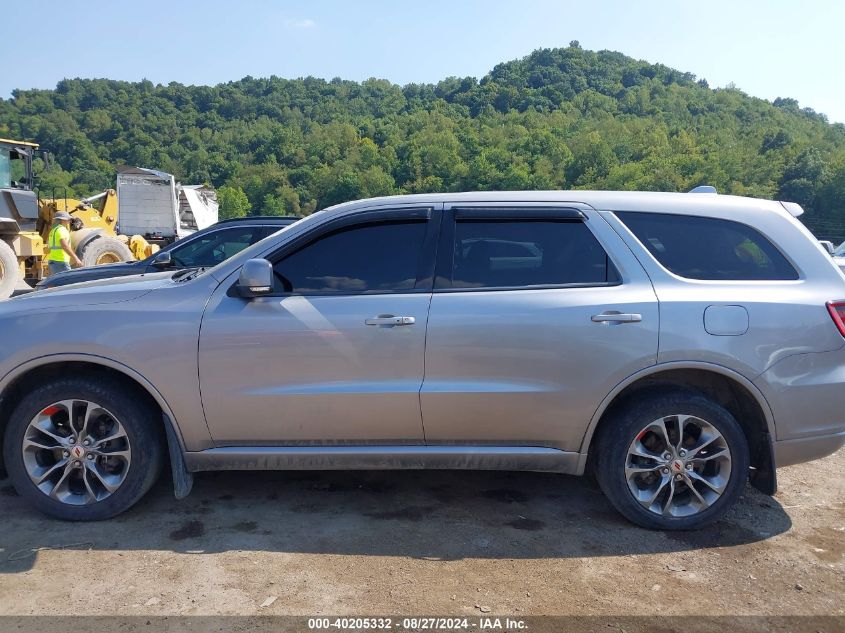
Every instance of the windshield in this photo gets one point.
(259, 247)
(215, 246)
(840, 250)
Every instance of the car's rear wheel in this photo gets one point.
(674, 460)
(83, 450)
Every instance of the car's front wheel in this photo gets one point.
(672, 460)
(82, 449)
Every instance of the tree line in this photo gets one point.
(564, 118)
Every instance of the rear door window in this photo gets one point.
(708, 248)
(517, 253)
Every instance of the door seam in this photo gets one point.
(437, 241)
(425, 359)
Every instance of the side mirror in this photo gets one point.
(256, 279)
(828, 246)
(162, 260)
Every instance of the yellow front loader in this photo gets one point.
(94, 234)
(26, 220)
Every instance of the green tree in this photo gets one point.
(233, 202)
(557, 118)
(283, 202)
(804, 174)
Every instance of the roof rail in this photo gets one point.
(703, 189)
(262, 218)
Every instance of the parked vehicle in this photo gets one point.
(205, 248)
(676, 345)
(839, 256)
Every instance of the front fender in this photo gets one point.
(24, 368)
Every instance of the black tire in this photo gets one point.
(105, 250)
(140, 421)
(8, 270)
(619, 431)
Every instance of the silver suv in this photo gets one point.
(676, 345)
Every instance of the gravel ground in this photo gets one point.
(449, 543)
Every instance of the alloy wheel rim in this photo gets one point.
(76, 452)
(678, 465)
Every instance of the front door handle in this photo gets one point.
(389, 319)
(616, 317)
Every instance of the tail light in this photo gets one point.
(837, 313)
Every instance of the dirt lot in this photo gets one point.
(447, 543)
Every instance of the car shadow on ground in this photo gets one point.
(439, 515)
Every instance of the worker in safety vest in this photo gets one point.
(61, 254)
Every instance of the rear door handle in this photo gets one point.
(389, 319)
(616, 317)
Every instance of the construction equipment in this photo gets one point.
(26, 219)
(94, 235)
(20, 241)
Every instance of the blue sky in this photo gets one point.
(768, 49)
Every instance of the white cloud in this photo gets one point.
(305, 23)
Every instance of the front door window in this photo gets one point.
(363, 259)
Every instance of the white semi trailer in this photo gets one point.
(152, 204)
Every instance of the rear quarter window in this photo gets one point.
(708, 248)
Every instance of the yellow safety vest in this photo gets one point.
(57, 253)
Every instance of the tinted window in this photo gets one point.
(215, 246)
(5, 169)
(381, 257)
(515, 253)
(269, 230)
(708, 248)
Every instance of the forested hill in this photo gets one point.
(557, 119)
